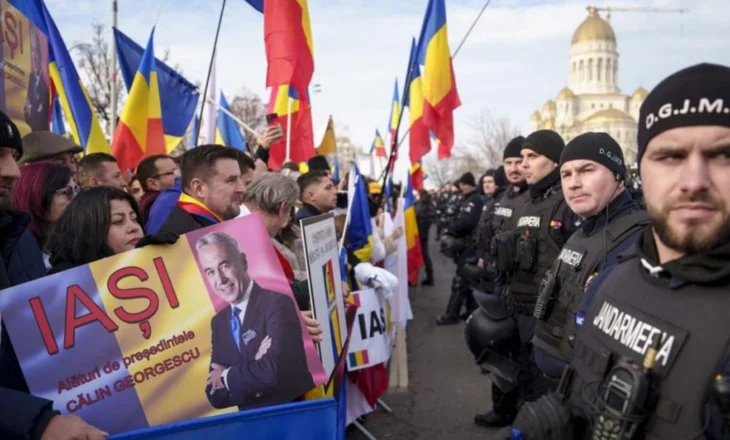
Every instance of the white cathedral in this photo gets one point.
(592, 100)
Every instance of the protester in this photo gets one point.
(22, 415)
(44, 146)
(109, 219)
(317, 193)
(135, 188)
(156, 173)
(212, 190)
(44, 191)
(100, 169)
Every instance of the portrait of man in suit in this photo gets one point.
(37, 102)
(258, 356)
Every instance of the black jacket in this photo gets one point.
(468, 217)
(22, 415)
(307, 211)
(181, 222)
(425, 216)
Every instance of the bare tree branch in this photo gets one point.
(248, 107)
(489, 135)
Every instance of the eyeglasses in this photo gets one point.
(69, 191)
(169, 173)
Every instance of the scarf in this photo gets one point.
(709, 267)
(196, 207)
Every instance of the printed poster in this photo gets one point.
(372, 333)
(325, 286)
(25, 89)
(150, 336)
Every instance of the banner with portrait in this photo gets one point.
(25, 88)
(325, 286)
(166, 333)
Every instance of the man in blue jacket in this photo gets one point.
(22, 415)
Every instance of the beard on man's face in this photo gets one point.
(695, 236)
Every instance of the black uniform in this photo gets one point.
(685, 303)
(584, 254)
(542, 229)
(461, 229)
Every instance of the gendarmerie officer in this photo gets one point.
(507, 209)
(592, 174)
(544, 224)
(454, 243)
(652, 357)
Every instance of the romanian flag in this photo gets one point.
(289, 48)
(439, 82)
(360, 230)
(329, 281)
(227, 132)
(394, 115)
(420, 144)
(74, 100)
(413, 242)
(417, 176)
(302, 138)
(140, 133)
(378, 145)
(178, 96)
(329, 141)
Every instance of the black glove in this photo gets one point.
(161, 238)
(544, 419)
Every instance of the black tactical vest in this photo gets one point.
(629, 312)
(507, 211)
(535, 250)
(579, 259)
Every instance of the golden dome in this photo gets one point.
(610, 115)
(566, 93)
(548, 124)
(639, 94)
(593, 28)
(535, 116)
(549, 105)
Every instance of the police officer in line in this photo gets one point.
(455, 243)
(592, 174)
(450, 207)
(507, 209)
(543, 226)
(652, 358)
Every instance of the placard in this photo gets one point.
(372, 333)
(148, 337)
(325, 286)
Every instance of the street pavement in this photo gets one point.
(446, 388)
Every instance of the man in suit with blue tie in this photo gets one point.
(258, 356)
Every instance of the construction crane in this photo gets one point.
(609, 9)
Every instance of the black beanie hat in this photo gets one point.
(547, 143)
(697, 95)
(500, 179)
(598, 147)
(468, 179)
(513, 148)
(318, 162)
(9, 134)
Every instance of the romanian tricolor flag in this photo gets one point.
(289, 48)
(140, 133)
(360, 230)
(378, 145)
(420, 144)
(417, 176)
(302, 137)
(329, 281)
(74, 100)
(227, 132)
(413, 242)
(439, 82)
(394, 115)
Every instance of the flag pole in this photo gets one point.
(210, 69)
(113, 75)
(408, 84)
(288, 130)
